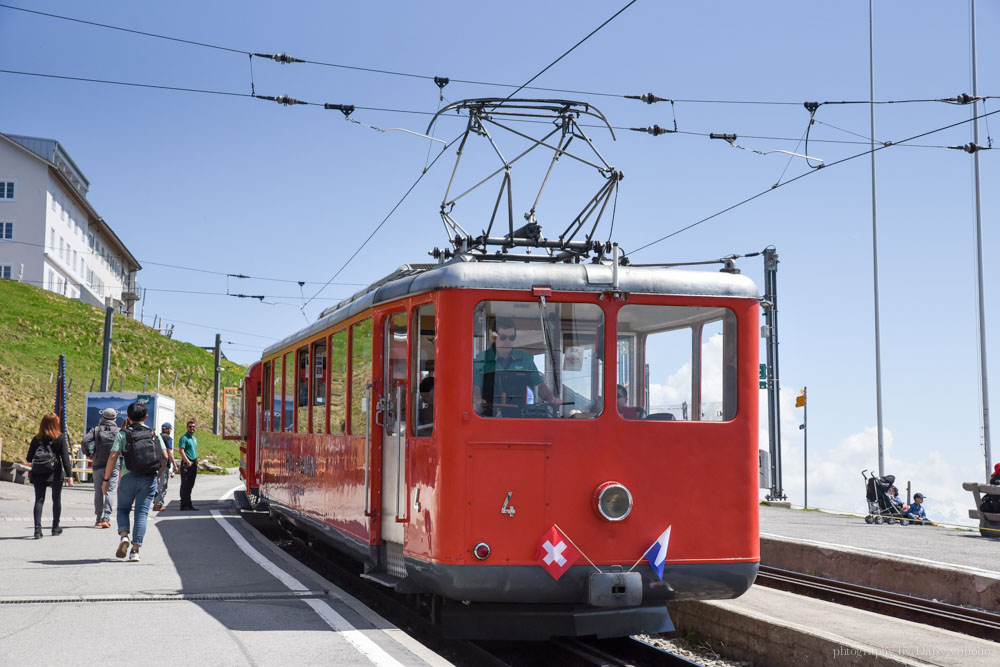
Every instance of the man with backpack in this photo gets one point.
(144, 454)
(97, 444)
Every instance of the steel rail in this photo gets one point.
(975, 622)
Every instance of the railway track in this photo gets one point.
(975, 622)
(415, 620)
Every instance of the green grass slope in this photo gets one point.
(37, 326)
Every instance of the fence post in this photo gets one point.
(92, 384)
(145, 381)
(188, 383)
(175, 379)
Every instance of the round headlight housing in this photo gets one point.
(612, 501)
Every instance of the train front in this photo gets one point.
(597, 450)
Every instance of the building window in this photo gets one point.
(5, 271)
(7, 190)
(6, 231)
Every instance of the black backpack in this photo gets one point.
(142, 451)
(43, 461)
(104, 439)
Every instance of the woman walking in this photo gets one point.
(48, 456)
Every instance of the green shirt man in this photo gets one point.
(188, 445)
(503, 375)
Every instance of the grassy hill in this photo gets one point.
(37, 326)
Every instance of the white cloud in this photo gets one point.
(835, 480)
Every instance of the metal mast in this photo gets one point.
(979, 257)
(773, 376)
(878, 335)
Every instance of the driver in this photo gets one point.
(505, 378)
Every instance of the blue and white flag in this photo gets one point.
(657, 554)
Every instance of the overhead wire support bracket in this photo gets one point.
(346, 109)
(654, 130)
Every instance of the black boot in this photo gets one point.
(38, 532)
(56, 530)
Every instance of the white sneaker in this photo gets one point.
(133, 557)
(122, 547)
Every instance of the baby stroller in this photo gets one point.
(881, 509)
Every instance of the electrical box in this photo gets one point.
(763, 469)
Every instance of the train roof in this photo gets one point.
(411, 279)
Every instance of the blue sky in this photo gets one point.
(239, 185)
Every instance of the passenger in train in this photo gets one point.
(627, 411)
(505, 378)
(425, 415)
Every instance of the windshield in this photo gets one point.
(538, 361)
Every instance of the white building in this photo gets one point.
(51, 236)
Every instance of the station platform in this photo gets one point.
(769, 626)
(208, 590)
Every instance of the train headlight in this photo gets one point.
(612, 501)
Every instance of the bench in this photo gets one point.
(11, 471)
(989, 522)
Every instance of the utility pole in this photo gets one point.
(106, 355)
(800, 402)
(773, 377)
(218, 376)
(878, 335)
(984, 386)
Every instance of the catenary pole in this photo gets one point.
(805, 448)
(773, 374)
(984, 386)
(106, 354)
(218, 369)
(878, 334)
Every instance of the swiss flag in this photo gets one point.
(556, 553)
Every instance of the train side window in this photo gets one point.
(276, 400)
(288, 402)
(361, 373)
(302, 391)
(265, 403)
(676, 363)
(319, 386)
(538, 361)
(422, 390)
(338, 382)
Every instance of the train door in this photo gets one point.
(393, 408)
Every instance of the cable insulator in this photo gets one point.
(970, 148)
(281, 99)
(811, 106)
(441, 81)
(731, 138)
(654, 130)
(648, 98)
(282, 58)
(963, 98)
(346, 109)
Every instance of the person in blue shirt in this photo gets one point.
(915, 512)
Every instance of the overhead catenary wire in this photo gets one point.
(803, 175)
(197, 270)
(653, 130)
(285, 59)
(379, 226)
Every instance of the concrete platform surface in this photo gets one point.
(931, 544)
(775, 628)
(208, 580)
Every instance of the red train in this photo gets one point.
(438, 423)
